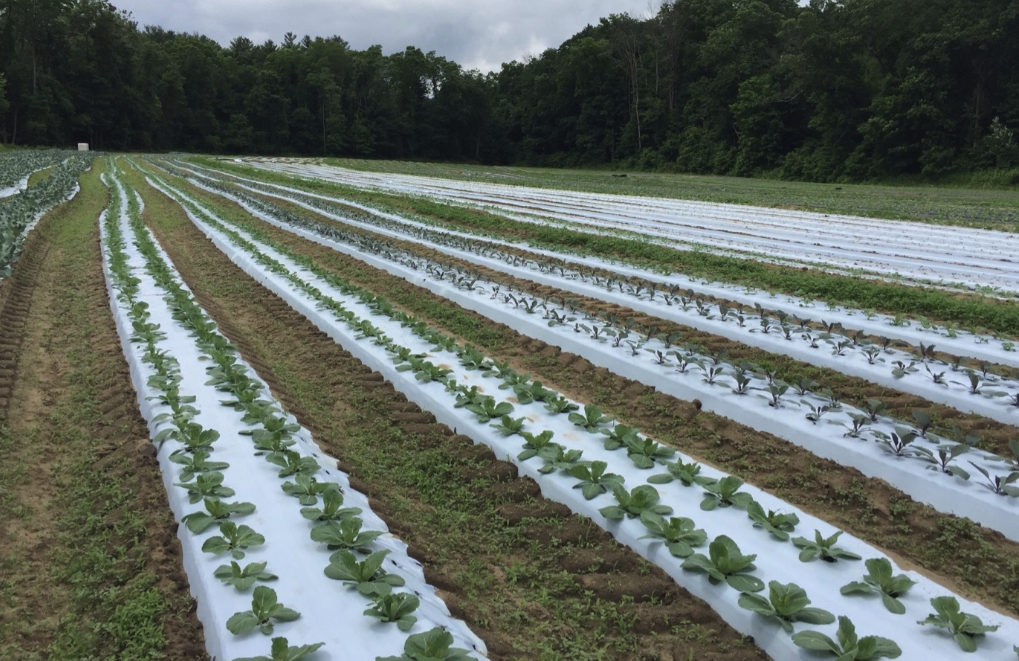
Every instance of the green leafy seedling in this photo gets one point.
(634, 503)
(307, 489)
(206, 485)
(345, 534)
(196, 464)
(395, 608)
(822, 547)
(509, 426)
(242, 579)
(533, 444)
(779, 525)
(265, 612)
(216, 511)
(489, 410)
(367, 577)
(332, 509)
(644, 452)
(849, 647)
(679, 534)
(591, 419)
(232, 538)
(724, 493)
(725, 563)
(292, 463)
(594, 481)
(282, 651)
(880, 581)
(965, 628)
(556, 457)
(687, 474)
(787, 603)
(433, 645)
(620, 436)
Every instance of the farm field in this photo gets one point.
(518, 423)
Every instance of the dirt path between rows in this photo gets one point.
(972, 561)
(531, 579)
(90, 564)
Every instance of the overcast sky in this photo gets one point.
(479, 34)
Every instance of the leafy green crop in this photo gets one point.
(822, 547)
(332, 509)
(242, 579)
(879, 580)
(687, 474)
(679, 533)
(395, 608)
(787, 603)
(265, 612)
(233, 538)
(849, 647)
(367, 577)
(632, 504)
(964, 627)
(282, 651)
(591, 419)
(594, 481)
(216, 511)
(197, 464)
(346, 535)
(724, 493)
(779, 525)
(725, 562)
(206, 485)
(433, 645)
(307, 489)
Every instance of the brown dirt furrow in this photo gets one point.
(501, 556)
(975, 562)
(90, 564)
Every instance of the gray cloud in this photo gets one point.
(479, 34)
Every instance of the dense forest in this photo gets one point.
(836, 89)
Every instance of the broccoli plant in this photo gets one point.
(232, 538)
(880, 581)
(687, 474)
(433, 645)
(779, 525)
(367, 577)
(787, 603)
(395, 608)
(849, 646)
(964, 627)
(678, 533)
(594, 481)
(725, 562)
(632, 504)
(281, 650)
(723, 493)
(242, 579)
(265, 612)
(822, 547)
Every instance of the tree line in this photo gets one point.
(835, 89)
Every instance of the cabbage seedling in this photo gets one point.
(206, 485)
(197, 464)
(232, 538)
(723, 493)
(307, 489)
(964, 627)
(679, 534)
(688, 474)
(633, 504)
(849, 647)
(395, 608)
(594, 481)
(216, 511)
(822, 547)
(779, 525)
(591, 419)
(265, 612)
(725, 562)
(644, 452)
(332, 509)
(787, 603)
(433, 645)
(282, 651)
(367, 577)
(880, 581)
(242, 579)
